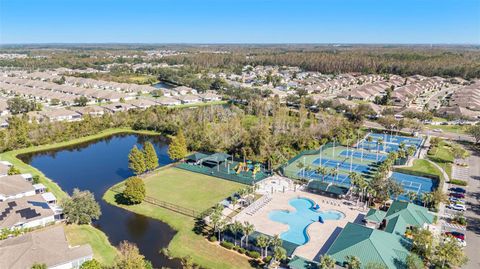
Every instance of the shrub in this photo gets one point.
(253, 254)
(212, 238)
(242, 250)
(36, 179)
(236, 248)
(458, 182)
(226, 245)
(267, 259)
(134, 190)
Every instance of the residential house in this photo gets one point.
(26, 212)
(61, 114)
(47, 246)
(189, 99)
(118, 107)
(166, 101)
(14, 187)
(94, 111)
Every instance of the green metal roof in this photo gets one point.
(370, 246)
(302, 263)
(412, 214)
(396, 225)
(375, 215)
(327, 187)
(196, 156)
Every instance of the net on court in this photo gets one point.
(344, 165)
(340, 179)
(363, 155)
(397, 139)
(411, 183)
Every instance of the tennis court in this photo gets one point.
(363, 155)
(416, 184)
(340, 179)
(397, 139)
(344, 165)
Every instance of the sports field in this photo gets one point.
(188, 189)
(344, 160)
(192, 190)
(387, 142)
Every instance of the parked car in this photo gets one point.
(456, 234)
(457, 207)
(457, 195)
(460, 242)
(457, 200)
(458, 189)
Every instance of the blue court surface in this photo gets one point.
(397, 139)
(339, 179)
(344, 165)
(363, 155)
(416, 184)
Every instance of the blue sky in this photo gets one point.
(240, 21)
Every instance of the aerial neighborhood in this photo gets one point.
(239, 134)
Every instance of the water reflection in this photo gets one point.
(96, 166)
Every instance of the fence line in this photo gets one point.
(167, 205)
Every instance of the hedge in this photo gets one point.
(226, 245)
(253, 254)
(458, 182)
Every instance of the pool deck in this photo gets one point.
(321, 235)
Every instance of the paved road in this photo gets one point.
(473, 212)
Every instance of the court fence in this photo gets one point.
(292, 173)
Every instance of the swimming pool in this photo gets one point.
(301, 218)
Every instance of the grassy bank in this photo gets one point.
(443, 156)
(11, 156)
(87, 234)
(102, 248)
(189, 190)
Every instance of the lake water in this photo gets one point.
(164, 85)
(96, 166)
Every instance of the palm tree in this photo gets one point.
(235, 228)
(248, 229)
(262, 243)
(411, 196)
(334, 172)
(279, 254)
(222, 226)
(369, 140)
(322, 171)
(300, 166)
(275, 241)
(411, 150)
(379, 141)
(326, 262)
(353, 262)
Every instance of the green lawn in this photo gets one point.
(448, 128)
(192, 190)
(443, 156)
(86, 234)
(422, 166)
(188, 189)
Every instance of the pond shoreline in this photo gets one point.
(15, 157)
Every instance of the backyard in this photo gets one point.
(195, 191)
(86, 234)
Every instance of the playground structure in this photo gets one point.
(225, 166)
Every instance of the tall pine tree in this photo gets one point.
(136, 161)
(178, 147)
(151, 159)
